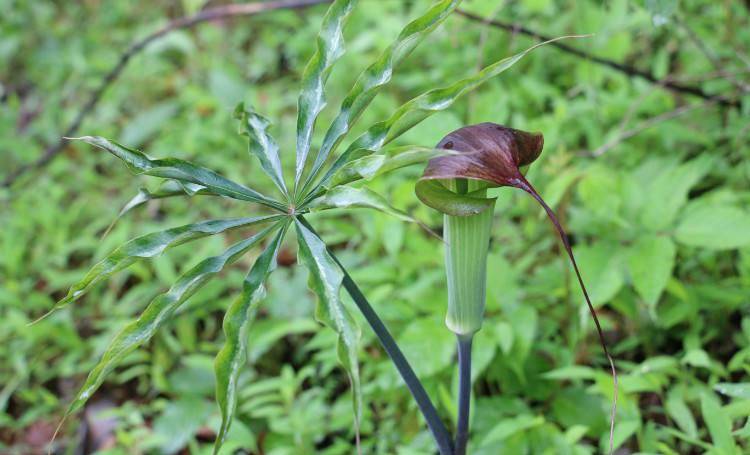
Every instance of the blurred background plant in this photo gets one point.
(651, 179)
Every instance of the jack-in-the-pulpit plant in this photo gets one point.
(323, 178)
(488, 155)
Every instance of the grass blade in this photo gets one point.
(262, 145)
(156, 313)
(237, 319)
(181, 170)
(151, 245)
(325, 281)
(376, 76)
(330, 47)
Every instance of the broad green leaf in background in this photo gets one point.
(330, 47)
(650, 262)
(718, 423)
(734, 390)
(602, 267)
(151, 245)
(347, 196)
(679, 411)
(262, 145)
(325, 281)
(376, 76)
(419, 108)
(232, 356)
(668, 191)
(509, 427)
(184, 171)
(715, 227)
(158, 312)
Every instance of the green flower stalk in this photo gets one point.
(467, 243)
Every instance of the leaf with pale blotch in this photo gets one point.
(184, 171)
(262, 145)
(377, 75)
(325, 281)
(157, 313)
(237, 319)
(169, 188)
(370, 166)
(150, 245)
(330, 47)
(351, 197)
(417, 109)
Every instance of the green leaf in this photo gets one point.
(325, 281)
(715, 227)
(668, 192)
(718, 423)
(237, 319)
(348, 197)
(151, 245)
(377, 75)
(650, 262)
(680, 412)
(371, 166)
(436, 195)
(262, 145)
(734, 390)
(509, 427)
(184, 171)
(417, 109)
(330, 47)
(159, 311)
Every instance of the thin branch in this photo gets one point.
(646, 124)
(621, 67)
(211, 14)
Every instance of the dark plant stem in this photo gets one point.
(434, 423)
(464, 393)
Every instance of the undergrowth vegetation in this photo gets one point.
(651, 183)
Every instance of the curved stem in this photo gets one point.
(434, 423)
(464, 393)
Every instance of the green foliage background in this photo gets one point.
(659, 219)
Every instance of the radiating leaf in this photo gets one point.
(650, 262)
(159, 311)
(377, 75)
(262, 145)
(232, 355)
(511, 426)
(715, 227)
(325, 281)
(150, 245)
(184, 171)
(330, 46)
(371, 166)
(734, 390)
(417, 109)
(348, 197)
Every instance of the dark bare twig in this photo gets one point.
(211, 14)
(621, 67)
